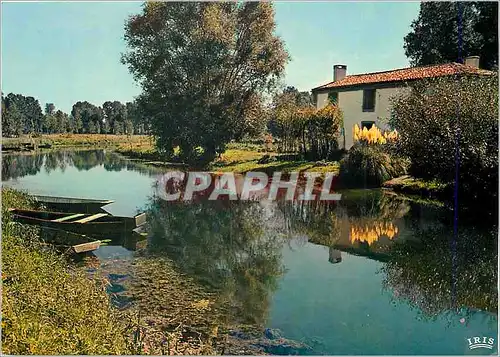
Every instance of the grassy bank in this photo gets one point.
(48, 307)
(52, 307)
(413, 186)
(75, 140)
(237, 158)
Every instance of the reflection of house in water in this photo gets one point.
(335, 256)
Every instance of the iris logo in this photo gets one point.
(481, 342)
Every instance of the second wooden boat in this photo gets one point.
(70, 204)
(77, 243)
(99, 224)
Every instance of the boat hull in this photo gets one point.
(68, 204)
(106, 226)
(76, 242)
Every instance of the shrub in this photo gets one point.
(369, 166)
(433, 115)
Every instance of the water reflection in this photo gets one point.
(237, 246)
(226, 244)
(421, 272)
(17, 166)
(240, 248)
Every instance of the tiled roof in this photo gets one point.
(405, 74)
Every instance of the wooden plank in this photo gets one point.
(86, 247)
(62, 219)
(91, 218)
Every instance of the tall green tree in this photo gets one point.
(434, 34)
(30, 112)
(50, 108)
(199, 65)
(12, 121)
(89, 115)
(115, 112)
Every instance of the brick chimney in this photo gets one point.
(339, 72)
(472, 61)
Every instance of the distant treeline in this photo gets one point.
(24, 115)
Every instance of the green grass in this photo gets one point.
(238, 158)
(47, 307)
(80, 140)
(415, 186)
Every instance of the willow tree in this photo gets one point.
(201, 66)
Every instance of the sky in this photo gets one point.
(64, 52)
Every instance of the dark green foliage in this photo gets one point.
(203, 68)
(369, 165)
(88, 117)
(437, 280)
(438, 114)
(23, 115)
(434, 35)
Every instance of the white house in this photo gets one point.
(365, 98)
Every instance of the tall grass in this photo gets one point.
(48, 307)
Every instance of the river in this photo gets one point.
(373, 274)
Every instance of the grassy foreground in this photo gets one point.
(51, 307)
(47, 307)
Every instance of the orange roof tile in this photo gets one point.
(405, 74)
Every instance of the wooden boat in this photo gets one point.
(69, 204)
(99, 224)
(77, 243)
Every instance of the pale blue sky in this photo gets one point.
(64, 52)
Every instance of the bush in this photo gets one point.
(369, 166)
(433, 115)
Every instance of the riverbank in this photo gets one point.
(47, 306)
(53, 141)
(238, 159)
(51, 305)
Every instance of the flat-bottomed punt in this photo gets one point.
(99, 224)
(70, 204)
(77, 243)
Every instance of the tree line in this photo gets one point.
(24, 115)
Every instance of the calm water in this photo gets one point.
(372, 274)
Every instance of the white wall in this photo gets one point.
(351, 102)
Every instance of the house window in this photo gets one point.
(333, 97)
(368, 100)
(367, 124)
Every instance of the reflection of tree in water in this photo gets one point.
(226, 245)
(422, 274)
(362, 216)
(318, 220)
(16, 166)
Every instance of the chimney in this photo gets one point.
(339, 72)
(472, 61)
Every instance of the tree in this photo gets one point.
(434, 34)
(115, 112)
(63, 122)
(30, 112)
(199, 65)
(129, 127)
(89, 115)
(437, 118)
(12, 121)
(49, 108)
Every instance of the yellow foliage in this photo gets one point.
(372, 232)
(374, 135)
